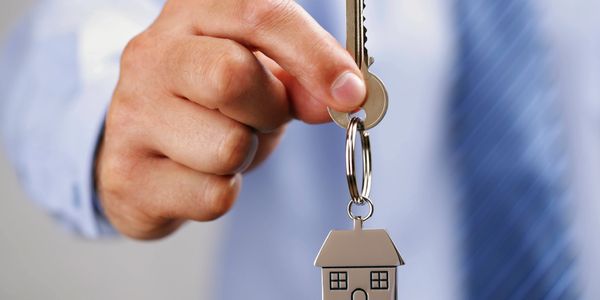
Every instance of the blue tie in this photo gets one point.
(506, 135)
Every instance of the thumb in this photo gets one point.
(305, 106)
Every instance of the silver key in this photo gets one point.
(376, 104)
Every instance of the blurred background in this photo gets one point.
(38, 260)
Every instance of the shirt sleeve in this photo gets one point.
(57, 74)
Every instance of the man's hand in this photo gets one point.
(204, 95)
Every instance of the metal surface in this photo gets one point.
(363, 260)
(367, 202)
(355, 30)
(357, 126)
(375, 106)
(360, 264)
(376, 103)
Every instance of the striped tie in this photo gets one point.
(506, 135)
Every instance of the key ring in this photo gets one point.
(361, 218)
(357, 125)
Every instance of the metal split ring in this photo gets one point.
(366, 201)
(357, 125)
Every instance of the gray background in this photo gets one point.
(38, 260)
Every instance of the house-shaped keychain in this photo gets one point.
(359, 265)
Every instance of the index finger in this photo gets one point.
(285, 32)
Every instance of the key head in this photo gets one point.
(375, 106)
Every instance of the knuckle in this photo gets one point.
(139, 52)
(221, 196)
(114, 174)
(138, 225)
(237, 149)
(133, 51)
(266, 13)
(122, 118)
(116, 157)
(233, 73)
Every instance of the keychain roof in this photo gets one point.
(358, 247)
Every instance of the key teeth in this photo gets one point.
(365, 39)
(370, 60)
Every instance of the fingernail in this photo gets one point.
(349, 90)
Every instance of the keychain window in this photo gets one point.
(338, 280)
(379, 280)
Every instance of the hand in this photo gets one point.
(204, 95)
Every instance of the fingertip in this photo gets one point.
(348, 92)
(222, 196)
(236, 182)
(308, 109)
(315, 117)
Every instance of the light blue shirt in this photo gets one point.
(61, 64)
